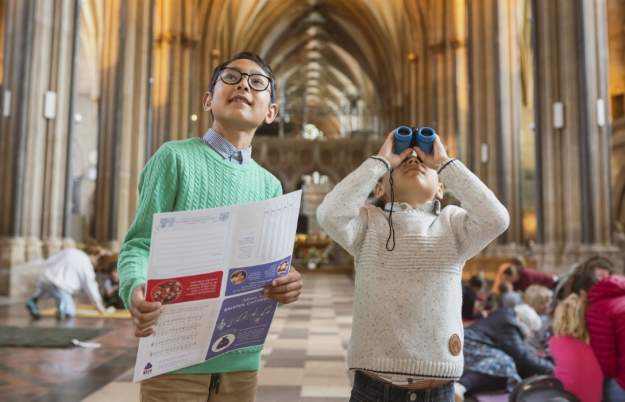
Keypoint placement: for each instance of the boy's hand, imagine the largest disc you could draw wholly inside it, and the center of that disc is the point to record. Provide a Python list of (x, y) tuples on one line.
[(386, 151), (437, 158), (285, 289), (144, 314)]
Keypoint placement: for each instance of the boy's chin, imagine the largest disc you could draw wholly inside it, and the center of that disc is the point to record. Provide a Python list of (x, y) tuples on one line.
[(238, 121)]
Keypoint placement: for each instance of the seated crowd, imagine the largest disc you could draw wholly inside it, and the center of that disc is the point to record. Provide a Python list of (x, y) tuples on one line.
[(531, 323)]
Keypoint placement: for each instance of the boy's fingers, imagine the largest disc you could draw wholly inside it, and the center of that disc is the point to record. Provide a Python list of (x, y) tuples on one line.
[(286, 298), (406, 153), (144, 333), (289, 297), (143, 317), (275, 290), (292, 276), (146, 325), (148, 307), (280, 281), (422, 155)]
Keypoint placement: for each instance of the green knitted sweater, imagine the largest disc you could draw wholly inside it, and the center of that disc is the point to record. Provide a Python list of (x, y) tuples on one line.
[(188, 175)]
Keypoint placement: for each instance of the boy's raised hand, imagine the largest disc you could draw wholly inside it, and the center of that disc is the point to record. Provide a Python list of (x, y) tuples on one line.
[(437, 158), (144, 314), (386, 151), (286, 289)]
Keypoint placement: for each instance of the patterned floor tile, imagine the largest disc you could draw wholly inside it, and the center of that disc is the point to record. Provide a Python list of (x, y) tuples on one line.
[(303, 361)]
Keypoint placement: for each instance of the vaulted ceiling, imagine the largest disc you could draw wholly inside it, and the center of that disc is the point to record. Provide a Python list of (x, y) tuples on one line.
[(332, 58)]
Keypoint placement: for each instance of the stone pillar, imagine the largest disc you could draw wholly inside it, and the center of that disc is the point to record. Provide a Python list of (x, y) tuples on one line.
[(573, 134), (483, 99), (18, 50), (507, 152), (494, 108), (39, 41), (123, 116), (176, 40), (446, 50)]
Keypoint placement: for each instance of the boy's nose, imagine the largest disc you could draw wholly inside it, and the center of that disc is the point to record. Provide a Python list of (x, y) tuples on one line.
[(413, 159)]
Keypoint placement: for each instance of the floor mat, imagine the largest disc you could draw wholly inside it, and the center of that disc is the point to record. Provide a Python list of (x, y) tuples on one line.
[(46, 337)]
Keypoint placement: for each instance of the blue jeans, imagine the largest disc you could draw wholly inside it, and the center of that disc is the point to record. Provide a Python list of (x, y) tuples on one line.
[(367, 389), (612, 392), (64, 300)]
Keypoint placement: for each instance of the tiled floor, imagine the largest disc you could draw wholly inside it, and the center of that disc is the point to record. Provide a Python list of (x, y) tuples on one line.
[(303, 359)]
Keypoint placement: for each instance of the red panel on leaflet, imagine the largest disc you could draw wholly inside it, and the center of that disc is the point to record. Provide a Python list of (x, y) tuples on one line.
[(185, 288)]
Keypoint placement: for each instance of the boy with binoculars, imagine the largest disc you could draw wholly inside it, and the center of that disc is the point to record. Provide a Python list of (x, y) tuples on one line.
[(407, 334)]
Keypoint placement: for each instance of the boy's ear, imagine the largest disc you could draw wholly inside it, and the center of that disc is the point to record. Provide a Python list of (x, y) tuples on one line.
[(272, 113), (378, 191), (207, 101), (440, 192)]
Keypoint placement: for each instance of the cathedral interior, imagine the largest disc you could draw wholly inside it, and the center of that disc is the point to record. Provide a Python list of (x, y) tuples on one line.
[(529, 94)]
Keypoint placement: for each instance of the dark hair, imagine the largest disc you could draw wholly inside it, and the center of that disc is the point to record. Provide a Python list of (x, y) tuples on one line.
[(476, 282), (578, 281), (504, 287), (247, 56), (583, 276), (510, 270), (595, 262)]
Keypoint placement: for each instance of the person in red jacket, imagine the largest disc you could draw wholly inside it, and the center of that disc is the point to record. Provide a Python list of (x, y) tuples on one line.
[(605, 319)]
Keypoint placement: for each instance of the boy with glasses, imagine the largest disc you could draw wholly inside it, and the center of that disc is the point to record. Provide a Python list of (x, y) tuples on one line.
[(197, 173)]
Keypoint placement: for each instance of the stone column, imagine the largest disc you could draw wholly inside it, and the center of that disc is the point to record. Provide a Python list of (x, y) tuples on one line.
[(123, 116), (446, 49), (573, 134), (18, 51), (494, 108), (39, 41), (176, 39), (508, 152)]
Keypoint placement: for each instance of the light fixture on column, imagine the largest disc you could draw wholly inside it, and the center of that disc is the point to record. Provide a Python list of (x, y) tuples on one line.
[(484, 153), (6, 103), (600, 112), (49, 105), (558, 115)]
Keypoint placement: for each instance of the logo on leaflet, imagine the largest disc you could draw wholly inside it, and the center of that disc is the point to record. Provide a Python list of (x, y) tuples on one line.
[(147, 369)]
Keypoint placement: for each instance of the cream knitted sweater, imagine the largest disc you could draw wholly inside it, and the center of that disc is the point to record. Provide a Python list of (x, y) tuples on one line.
[(407, 302)]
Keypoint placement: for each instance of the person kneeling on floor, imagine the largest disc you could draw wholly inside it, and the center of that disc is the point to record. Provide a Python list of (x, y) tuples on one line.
[(66, 273)]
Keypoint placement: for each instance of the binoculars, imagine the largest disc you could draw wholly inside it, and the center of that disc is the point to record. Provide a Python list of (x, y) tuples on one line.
[(406, 137)]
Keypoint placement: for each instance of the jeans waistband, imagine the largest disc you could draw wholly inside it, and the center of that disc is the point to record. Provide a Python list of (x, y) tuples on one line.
[(388, 392)]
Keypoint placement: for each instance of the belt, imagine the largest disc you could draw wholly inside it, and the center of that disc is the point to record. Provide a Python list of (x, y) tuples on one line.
[(384, 390)]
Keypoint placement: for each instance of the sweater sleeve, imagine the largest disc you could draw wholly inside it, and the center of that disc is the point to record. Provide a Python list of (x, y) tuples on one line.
[(482, 217), (158, 186), (602, 338), (342, 214)]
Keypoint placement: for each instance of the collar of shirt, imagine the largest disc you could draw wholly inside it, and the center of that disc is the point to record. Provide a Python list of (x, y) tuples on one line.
[(225, 148), (404, 206)]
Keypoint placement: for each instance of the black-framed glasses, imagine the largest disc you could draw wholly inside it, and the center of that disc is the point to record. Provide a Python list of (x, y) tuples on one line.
[(232, 76)]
